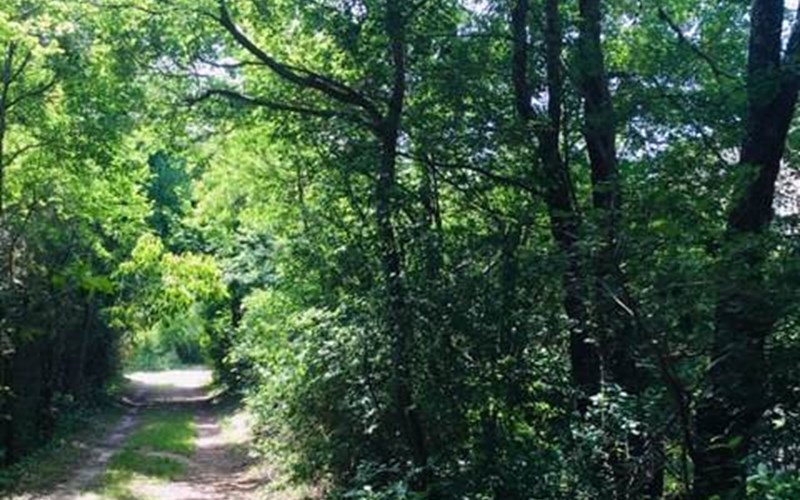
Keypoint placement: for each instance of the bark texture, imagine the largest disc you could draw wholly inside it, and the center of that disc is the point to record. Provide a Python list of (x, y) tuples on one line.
[(735, 398)]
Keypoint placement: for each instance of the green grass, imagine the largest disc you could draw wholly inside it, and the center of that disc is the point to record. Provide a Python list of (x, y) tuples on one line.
[(129, 462), (168, 432)]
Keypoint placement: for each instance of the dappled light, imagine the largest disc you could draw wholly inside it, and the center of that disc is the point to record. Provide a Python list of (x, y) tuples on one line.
[(399, 249)]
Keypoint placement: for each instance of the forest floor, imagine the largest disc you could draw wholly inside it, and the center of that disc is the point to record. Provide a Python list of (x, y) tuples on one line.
[(177, 440)]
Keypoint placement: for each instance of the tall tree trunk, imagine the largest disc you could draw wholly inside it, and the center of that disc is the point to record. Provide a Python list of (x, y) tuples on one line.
[(558, 190), (737, 380), (358, 108), (616, 324), (640, 473), (400, 320)]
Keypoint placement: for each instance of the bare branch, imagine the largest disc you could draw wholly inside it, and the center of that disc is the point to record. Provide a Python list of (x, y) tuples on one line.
[(235, 65), (18, 72), (337, 91), (474, 199), (35, 92), (232, 95), (22, 150), (712, 64), (499, 178)]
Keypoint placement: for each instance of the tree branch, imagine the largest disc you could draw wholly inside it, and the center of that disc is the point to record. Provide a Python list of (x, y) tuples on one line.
[(23, 149), (235, 65), (712, 64), (337, 91), (25, 60), (32, 93), (501, 179), (274, 105), (519, 60)]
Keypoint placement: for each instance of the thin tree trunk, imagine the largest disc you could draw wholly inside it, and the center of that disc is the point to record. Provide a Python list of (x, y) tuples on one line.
[(5, 85), (558, 190), (431, 223), (84, 339), (400, 320), (617, 325)]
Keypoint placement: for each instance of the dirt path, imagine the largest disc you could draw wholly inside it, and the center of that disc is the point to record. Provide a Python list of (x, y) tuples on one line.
[(89, 472), (219, 469)]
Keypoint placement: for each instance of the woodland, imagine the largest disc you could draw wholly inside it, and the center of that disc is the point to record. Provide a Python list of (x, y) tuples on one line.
[(445, 249)]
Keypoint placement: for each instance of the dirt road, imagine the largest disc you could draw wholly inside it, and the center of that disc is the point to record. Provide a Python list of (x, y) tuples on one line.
[(216, 468)]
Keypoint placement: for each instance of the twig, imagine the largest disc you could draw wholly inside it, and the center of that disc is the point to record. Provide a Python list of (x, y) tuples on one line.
[(718, 72)]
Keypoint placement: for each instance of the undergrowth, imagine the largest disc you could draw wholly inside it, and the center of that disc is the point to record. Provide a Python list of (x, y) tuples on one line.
[(50, 464)]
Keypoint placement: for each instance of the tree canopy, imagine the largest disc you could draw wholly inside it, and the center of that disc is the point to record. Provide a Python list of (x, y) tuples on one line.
[(444, 248)]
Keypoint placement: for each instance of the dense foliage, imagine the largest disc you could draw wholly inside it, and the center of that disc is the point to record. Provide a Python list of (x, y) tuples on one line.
[(446, 248)]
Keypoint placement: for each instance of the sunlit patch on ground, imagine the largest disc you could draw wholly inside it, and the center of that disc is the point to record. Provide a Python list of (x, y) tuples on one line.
[(194, 378), (191, 385), (178, 442)]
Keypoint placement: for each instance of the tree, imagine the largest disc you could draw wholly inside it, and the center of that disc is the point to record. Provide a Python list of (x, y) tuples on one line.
[(565, 222), (746, 313)]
